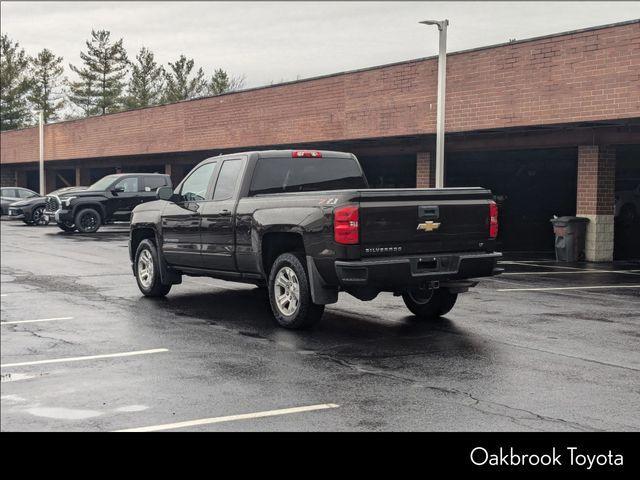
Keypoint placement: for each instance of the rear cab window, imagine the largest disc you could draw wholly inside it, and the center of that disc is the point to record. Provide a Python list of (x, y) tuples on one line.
[(153, 183), (287, 174)]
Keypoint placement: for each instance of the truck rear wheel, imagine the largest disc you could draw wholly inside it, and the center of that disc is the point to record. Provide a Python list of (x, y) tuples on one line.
[(429, 304), (290, 294), (148, 270)]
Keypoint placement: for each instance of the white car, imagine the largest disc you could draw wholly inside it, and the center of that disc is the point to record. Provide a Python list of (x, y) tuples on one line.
[(627, 206)]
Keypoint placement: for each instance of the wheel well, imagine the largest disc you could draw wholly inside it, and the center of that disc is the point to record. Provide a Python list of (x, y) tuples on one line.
[(277, 243), (139, 234)]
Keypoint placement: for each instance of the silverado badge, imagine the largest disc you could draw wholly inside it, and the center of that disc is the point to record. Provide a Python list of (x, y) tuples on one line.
[(428, 226)]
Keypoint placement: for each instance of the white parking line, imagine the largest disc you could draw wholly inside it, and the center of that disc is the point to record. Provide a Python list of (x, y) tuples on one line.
[(36, 320), (564, 288), (89, 357), (527, 264), (231, 418), (573, 272)]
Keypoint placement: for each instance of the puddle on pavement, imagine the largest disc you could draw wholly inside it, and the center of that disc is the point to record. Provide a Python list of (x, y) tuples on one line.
[(61, 413), (132, 408)]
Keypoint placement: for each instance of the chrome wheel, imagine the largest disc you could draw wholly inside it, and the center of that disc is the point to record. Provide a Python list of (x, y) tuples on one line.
[(287, 291), (145, 269), (38, 217)]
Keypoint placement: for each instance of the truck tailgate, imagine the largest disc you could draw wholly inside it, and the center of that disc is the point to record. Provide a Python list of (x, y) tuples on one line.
[(414, 221)]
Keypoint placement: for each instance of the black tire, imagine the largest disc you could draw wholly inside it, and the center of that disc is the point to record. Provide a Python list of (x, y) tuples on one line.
[(429, 304), (152, 286), (38, 217), (88, 220), (306, 313), (67, 227)]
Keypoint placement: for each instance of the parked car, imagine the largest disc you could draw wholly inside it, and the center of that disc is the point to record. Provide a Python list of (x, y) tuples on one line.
[(110, 199), (306, 225), (627, 204), (31, 211), (9, 195)]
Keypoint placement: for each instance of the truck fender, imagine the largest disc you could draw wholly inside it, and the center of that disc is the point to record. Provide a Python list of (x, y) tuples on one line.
[(321, 294)]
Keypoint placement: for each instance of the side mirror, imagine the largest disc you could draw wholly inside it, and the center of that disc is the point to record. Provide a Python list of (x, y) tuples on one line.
[(118, 190), (165, 193)]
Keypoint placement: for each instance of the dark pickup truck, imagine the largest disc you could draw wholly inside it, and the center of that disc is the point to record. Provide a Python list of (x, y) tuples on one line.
[(111, 198), (306, 225)]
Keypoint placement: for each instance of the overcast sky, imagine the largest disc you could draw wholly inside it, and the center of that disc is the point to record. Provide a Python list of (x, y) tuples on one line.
[(273, 41)]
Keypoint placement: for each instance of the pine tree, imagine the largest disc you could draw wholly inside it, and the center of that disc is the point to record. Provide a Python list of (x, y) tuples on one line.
[(146, 83), (46, 94), (178, 82), (14, 85), (101, 83), (221, 83)]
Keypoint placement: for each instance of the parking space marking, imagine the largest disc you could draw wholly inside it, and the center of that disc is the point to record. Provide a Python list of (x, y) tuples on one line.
[(527, 264), (231, 418), (88, 357), (587, 287), (15, 322), (573, 272)]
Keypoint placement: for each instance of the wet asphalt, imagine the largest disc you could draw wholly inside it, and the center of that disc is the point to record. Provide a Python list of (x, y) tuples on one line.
[(502, 359)]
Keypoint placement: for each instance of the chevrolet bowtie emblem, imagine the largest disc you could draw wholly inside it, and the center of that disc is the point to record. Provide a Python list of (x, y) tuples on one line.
[(428, 226)]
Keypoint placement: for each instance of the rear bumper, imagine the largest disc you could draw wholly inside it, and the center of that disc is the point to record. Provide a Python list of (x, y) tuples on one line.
[(394, 273)]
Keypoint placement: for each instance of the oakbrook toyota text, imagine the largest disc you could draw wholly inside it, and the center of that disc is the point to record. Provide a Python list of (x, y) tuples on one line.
[(573, 457)]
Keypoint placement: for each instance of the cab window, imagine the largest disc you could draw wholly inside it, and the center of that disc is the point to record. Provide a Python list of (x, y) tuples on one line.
[(151, 184), (127, 185), (196, 185), (227, 179)]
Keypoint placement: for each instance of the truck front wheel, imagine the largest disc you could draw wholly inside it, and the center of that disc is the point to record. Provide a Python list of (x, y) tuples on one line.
[(290, 294), (88, 220), (429, 304), (148, 270)]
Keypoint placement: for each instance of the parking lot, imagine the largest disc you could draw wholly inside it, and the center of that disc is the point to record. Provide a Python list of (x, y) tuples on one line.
[(545, 346)]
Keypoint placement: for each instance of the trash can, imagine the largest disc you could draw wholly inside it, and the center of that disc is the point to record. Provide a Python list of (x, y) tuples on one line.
[(570, 233)]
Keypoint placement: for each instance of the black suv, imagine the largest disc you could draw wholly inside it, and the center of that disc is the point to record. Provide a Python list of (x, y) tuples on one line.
[(110, 199)]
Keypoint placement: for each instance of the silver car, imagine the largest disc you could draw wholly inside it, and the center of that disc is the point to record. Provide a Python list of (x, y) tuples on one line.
[(9, 195)]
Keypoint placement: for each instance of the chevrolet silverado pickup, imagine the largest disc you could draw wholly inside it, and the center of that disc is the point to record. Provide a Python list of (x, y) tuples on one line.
[(305, 225)]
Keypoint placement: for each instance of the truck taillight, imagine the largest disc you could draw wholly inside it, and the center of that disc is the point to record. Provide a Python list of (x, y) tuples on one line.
[(306, 154), (493, 219), (345, 225)]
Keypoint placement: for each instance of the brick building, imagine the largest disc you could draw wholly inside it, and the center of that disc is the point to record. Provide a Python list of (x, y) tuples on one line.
[(549, 124)]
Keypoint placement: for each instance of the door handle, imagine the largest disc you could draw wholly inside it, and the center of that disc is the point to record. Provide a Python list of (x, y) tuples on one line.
[(225, 213)]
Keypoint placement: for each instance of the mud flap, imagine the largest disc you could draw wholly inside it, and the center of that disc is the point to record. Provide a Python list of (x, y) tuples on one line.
[(321, 294)]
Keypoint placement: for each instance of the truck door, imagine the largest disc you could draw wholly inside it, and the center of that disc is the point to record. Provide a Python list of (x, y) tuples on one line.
[(181, 243), (125, 195), (218, 218)]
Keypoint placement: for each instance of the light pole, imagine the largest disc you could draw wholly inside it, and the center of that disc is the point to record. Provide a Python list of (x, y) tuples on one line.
[(442, 80), (41, 123)]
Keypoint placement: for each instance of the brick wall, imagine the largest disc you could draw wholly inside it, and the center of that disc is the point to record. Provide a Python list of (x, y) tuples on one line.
[(425, 170), (596, 180), (581, 76)]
